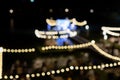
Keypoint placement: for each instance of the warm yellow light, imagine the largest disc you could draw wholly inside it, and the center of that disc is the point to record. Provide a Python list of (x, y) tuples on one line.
[(5, 77), (27, 75), (16, 76), (43, 74), (11, 77), (48, 73), (32, 75), (37, 74)]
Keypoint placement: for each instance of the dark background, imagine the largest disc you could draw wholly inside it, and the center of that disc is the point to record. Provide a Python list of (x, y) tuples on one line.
[(28, 16)]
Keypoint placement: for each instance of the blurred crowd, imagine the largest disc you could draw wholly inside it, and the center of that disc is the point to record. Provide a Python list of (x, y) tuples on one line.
[(44, 64)]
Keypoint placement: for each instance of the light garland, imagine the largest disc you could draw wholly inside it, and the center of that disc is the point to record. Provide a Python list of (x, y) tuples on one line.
[(1, 61), (67, 47), (19, 50), (84, 45), (53, 34), (109, 30), (52, 22), (63, 69), (67, 69), (105, 54), (112, 33)]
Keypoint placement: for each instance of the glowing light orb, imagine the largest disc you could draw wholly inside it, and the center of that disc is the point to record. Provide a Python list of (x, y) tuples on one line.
[(11, 11), (32, 1)]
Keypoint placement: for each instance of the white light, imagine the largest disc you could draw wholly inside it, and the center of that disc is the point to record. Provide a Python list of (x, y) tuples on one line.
[(106, 65), (37, 74), (105, 37), (1, 49), (104, 33), (67, 69), (16, 76), (66, 10), (115, 64), (43, 73), (4, 50), (6, 77), (76, 67), (85, 67), (111, 65), (58, 71), (27, 75), (48, 73), (118, 63), (93, 41), (11, 11), (94, 67), (91, 10), (81, 68), (11, 77), (90, 67), (109, 30), (32, 75), (62, 70), (32, 0), (53, 72), (71, 67), (98, 66), (87, 27)]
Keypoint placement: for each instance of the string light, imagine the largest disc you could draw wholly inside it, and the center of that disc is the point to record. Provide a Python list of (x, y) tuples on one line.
[(52, 22), (11, 77), (18, 50), (109, 30), (105, 54), (76, 67), (16, 76), (32, 75), (53, 72), (62, 70), (48, 73), (53, 34), (67, 47), (107, 65), (71, 67), (84, 45), (38, 74)]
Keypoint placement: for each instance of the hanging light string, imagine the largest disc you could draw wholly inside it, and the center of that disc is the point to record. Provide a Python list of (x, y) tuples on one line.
[(109, 30), (105, 53), (67, 47), (52, 22), (54, 34), (84, 45), (78, 46), (67, 69), (17, 50)]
